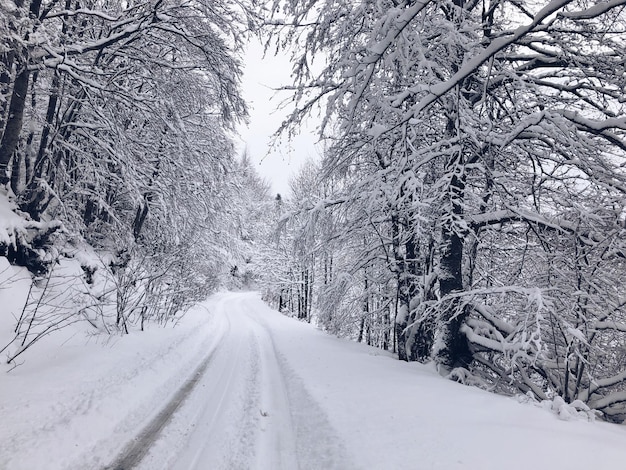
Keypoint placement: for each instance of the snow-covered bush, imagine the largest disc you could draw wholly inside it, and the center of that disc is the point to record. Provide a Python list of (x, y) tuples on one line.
[(23, 241)]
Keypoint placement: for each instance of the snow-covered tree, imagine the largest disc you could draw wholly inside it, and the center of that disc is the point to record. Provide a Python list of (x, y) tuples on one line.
[(115, 124), (485, 140)]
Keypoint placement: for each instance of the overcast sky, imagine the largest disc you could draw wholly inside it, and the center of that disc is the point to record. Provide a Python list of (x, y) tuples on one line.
[(261, 75)]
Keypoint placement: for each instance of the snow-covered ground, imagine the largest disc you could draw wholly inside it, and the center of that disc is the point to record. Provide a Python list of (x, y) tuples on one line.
[(235, 385)]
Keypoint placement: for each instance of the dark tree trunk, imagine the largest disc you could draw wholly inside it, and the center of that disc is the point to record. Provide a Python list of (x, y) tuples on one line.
[(90, 213), (16, 172), (366, 308), (45, 133), (308, 288), (386, 328), (11, 135), (361, 329), (414, 338), (281, 301), (419, 338), (15, 117), (140, 218), (6, 61), (400, 327), (401, 319), (453, 350)]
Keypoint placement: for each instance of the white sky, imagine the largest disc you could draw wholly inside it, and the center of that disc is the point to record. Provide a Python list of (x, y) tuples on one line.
[(261, 76)]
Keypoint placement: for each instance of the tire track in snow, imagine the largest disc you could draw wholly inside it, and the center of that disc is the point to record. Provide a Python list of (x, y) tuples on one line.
[(275, 441), (301, 436), (239, 417), (225, 385), (136, 450), (75, 404), (317, 443), (250, 410), (305, 428)]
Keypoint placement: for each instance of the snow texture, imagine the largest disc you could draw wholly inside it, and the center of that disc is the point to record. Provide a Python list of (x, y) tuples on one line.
[(272, 393)]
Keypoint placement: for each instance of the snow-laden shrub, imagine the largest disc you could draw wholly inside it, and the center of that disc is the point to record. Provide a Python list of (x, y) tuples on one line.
[(568, 411), (22, 240), (576, 410)]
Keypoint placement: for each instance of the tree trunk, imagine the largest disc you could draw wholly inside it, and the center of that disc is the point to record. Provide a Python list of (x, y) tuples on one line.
[(11, 135), (16, 172), (366, 308), (140, 218), (361, 329), (45, 133), (453, 350), (281, 301), (91, 209), (15, 117), (6, 62), (400, 328), (386, 328)]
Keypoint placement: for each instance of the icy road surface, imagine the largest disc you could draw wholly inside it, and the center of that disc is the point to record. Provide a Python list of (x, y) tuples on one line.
[(238, 386)]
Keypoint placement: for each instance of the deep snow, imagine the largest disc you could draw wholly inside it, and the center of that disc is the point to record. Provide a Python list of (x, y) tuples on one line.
[(276, 393)]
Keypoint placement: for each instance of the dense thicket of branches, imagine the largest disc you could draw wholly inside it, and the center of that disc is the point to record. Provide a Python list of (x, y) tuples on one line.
[(115, 119), (474, 186)]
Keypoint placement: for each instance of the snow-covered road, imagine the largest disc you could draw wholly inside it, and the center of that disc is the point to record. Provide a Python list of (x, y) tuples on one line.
[(238, 386), (247, 410)]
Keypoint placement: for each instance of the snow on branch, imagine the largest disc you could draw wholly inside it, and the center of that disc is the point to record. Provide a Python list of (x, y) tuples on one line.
[(511, 214), (398, 24), (594, 125), (599, 128), (609, 325), (598, 9), (318, 207), (603, 383), (609, 400), (81, 11), (497, 45)]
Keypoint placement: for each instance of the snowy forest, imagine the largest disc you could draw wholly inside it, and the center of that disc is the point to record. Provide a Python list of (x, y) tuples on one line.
[(468, 211)]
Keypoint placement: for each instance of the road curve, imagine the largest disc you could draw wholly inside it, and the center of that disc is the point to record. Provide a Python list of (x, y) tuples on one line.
[(243, 408)]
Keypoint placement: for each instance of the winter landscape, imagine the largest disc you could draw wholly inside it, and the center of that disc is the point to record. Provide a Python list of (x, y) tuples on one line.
[(442, 287)]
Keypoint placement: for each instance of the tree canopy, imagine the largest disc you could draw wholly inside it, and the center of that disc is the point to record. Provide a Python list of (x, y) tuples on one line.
[(477, 153)]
